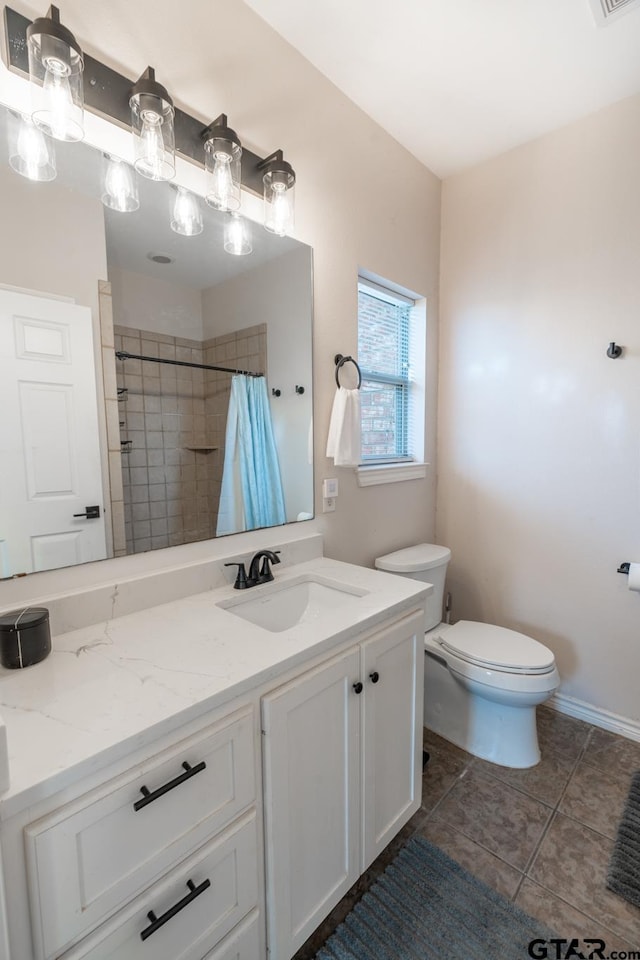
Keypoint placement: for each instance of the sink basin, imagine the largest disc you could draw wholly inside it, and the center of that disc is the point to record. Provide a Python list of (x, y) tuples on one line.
[(280, 606)]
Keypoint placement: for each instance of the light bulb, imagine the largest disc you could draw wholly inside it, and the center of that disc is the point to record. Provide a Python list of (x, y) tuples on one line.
[(280, 210), (58, 100), (151, 155), (237, 236), (187, 218), (223, 167), (120, 190), (222, 182), (33, 155)]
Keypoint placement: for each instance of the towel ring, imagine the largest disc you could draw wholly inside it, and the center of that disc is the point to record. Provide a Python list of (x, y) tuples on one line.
[(340, 361)]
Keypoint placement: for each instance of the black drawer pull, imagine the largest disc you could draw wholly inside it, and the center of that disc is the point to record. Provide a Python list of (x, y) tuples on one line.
[(157, 922), (148, 797)]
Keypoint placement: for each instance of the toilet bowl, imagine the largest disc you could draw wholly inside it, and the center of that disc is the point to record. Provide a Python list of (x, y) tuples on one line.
[(482, 682)]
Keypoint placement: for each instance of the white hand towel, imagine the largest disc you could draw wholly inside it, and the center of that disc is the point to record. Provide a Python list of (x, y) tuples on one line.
[(343, 442)]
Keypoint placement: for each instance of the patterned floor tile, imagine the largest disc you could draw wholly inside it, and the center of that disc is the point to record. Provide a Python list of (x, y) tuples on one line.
[(572, 862), (561, 735), (612, 753), (566, 921), (595, 798), (446, 763), (504, 820), (545, 781), (474, 858)]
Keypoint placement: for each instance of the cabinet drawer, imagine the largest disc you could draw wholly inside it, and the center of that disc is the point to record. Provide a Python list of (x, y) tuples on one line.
[(229, 864), (242, 944), (90, 857)]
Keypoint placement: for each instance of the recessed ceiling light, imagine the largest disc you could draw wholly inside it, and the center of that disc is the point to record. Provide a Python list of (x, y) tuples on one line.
[(159, 258)]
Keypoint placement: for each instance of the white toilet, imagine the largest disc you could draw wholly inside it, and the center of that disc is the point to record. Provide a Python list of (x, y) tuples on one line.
[(482, 683)]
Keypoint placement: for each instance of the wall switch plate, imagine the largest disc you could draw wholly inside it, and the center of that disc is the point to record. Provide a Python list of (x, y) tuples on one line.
[(328, 504), (330, 487)]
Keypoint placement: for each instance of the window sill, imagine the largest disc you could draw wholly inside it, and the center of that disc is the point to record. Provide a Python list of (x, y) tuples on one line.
[(390, 473)]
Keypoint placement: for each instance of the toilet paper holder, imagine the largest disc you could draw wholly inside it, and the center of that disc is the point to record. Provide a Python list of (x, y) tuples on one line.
[(624, 567)]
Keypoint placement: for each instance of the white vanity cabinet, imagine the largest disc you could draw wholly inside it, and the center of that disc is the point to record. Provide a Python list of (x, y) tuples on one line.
[(342, 750), (163, 860)]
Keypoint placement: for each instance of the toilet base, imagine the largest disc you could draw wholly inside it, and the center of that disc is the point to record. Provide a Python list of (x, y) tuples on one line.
[(502, 733)]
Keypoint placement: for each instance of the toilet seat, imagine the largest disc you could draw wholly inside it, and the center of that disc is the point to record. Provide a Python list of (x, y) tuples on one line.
[(497, 648)]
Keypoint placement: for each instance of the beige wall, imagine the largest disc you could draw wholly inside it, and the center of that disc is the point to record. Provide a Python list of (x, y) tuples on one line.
[(539, 450), (362, 200), (148, 303)]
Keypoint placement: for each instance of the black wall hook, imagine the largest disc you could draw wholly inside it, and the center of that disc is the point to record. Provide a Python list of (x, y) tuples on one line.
[(614, 351)]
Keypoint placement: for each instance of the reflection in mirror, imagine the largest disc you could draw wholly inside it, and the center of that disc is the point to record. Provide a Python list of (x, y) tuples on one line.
[(103, 456)]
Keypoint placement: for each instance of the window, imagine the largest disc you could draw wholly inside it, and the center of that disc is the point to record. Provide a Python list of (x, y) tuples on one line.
[(391, 357)]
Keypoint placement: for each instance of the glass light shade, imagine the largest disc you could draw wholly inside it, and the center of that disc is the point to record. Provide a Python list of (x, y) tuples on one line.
[(237, 236), (119, 187), (153, 134), (223, 167), (279, 203), (55, 70), (187, 216), (31, 152)]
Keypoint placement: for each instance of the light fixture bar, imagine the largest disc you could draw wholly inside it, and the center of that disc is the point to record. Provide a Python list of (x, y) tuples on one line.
[(107, 94)]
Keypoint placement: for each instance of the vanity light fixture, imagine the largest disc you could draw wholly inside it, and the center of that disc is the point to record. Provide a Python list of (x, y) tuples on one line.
[(56, 64), (159, 130), (278, 179), (237, 236), (152, 116), (222, 153), (119, 187), (31, 152), (187, 216)]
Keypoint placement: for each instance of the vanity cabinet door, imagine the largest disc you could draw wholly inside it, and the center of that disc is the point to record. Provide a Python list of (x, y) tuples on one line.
[(311, 730), (392, 675)]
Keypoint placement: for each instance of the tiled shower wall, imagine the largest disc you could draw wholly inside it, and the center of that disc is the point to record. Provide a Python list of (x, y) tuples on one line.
[(172, 424)]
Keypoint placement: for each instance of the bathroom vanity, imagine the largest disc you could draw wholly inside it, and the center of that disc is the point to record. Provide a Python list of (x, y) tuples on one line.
[(207, 777)]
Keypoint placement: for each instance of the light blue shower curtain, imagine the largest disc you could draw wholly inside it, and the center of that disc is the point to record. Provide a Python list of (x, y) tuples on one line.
[(251, 494)]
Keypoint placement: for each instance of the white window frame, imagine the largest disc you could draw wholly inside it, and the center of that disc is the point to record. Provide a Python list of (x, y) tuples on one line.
[(412, 467)]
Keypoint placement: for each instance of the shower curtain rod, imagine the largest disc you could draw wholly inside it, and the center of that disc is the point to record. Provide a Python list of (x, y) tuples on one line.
[(123, 355)]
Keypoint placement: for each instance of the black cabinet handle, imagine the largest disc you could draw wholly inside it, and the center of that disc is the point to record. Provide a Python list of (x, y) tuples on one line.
[(157, 922), (149, 797), (374, 677), (357, 687)]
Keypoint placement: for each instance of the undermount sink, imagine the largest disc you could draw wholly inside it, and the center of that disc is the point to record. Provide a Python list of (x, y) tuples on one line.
[(280, 606)]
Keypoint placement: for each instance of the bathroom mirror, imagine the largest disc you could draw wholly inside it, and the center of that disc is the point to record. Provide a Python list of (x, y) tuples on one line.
[(104, 456)]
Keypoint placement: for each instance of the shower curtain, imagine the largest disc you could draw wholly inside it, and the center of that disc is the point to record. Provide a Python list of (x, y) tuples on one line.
[(251, 494)]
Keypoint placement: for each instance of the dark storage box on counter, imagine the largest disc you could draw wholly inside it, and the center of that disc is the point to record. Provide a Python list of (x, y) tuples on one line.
[(25, 637)]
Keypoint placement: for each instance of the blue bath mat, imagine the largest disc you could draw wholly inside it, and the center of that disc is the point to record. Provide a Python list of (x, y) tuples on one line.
[(624, 868), (427, 907)]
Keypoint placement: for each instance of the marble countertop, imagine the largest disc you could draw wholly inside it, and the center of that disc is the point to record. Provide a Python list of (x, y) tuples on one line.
[(142, 675)]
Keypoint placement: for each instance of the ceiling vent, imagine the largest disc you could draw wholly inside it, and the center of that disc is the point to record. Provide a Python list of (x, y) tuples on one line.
[(605, 11)]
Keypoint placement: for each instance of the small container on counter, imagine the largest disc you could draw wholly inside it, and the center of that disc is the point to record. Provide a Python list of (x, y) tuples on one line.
[(25, 637)]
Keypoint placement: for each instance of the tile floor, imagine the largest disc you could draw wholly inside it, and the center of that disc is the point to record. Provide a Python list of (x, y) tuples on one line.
[(542, 837)]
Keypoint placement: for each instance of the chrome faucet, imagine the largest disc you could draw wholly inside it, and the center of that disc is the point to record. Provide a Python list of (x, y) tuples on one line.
[(257, 574)]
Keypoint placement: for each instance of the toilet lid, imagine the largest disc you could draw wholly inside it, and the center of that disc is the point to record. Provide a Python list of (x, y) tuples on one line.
[(489, 646)]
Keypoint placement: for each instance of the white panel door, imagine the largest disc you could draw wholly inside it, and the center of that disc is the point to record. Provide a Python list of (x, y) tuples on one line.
[(392, 676), (311, 732), (50, 465)]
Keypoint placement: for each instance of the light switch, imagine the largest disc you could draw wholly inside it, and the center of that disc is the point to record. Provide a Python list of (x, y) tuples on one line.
[(330, 488)]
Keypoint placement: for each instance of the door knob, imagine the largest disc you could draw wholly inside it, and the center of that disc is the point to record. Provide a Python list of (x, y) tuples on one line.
[(91, 513)]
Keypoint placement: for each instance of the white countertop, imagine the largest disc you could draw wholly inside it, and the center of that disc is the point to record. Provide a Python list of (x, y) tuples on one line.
[(140, 675)]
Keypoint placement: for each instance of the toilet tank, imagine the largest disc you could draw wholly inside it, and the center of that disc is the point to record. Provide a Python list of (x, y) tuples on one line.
[(426, 562)]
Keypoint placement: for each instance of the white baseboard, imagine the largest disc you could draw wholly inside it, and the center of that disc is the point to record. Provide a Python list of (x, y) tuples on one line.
[(595, 715)]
